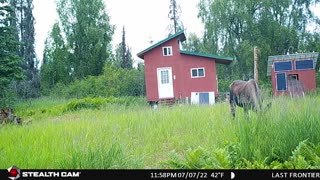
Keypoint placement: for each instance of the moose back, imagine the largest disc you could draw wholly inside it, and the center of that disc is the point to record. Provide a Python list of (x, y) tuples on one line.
[(245, 94)]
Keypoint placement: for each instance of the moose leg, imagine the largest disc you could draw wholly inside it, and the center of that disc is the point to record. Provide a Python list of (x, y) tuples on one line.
[(233, 109), (246, 112)]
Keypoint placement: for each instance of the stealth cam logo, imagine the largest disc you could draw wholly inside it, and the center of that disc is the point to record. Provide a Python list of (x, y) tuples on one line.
[(14, 172)]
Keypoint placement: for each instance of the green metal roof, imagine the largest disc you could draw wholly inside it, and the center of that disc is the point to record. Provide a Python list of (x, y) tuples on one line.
[(179, 34), (219, 59), (299, 56), (182, 37)]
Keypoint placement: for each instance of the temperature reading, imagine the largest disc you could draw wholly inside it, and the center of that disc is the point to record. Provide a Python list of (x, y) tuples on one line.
[(217, 174)]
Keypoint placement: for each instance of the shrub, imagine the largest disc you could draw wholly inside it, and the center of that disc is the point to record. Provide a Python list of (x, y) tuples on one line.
[(98, 102), (113, 82), (305, 156)]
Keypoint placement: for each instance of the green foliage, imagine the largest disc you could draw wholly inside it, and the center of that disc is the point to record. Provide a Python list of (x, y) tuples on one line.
[(112, 158), (224, 85), (10, 62), (88, 34), (113, 82), (182, 136), (78, 49), (174, 16), (86, 103), (8, 98), (56, 67), (318, 79), (123, 56), (56, 106), (193, 43), (305, 156), (24, 23), (311, 44), (40, 108), (234, 28), (200, 158), (98, 102)]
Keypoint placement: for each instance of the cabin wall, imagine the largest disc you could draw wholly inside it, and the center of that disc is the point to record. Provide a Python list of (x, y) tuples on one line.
[(186, 84), (181, 64), (153, 60)]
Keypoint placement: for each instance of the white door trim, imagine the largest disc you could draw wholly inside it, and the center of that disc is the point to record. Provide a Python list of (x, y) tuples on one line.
[(165, 82)]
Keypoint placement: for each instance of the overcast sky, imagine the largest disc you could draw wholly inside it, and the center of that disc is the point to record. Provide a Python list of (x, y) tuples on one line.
[(144, 20)]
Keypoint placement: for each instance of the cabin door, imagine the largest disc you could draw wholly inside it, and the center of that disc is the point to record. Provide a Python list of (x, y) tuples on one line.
[(165, 83)]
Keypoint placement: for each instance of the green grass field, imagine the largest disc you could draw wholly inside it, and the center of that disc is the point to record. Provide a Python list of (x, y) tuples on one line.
[(134, 136)]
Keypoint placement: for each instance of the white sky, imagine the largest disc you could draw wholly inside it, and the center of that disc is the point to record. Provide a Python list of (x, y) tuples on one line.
[(144, 20)]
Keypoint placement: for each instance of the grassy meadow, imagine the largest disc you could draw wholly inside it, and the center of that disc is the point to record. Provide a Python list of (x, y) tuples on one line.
[(105, 134)]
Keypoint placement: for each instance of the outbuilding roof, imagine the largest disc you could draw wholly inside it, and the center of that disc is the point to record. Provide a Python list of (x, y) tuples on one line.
[(299, 56), (181, 36)]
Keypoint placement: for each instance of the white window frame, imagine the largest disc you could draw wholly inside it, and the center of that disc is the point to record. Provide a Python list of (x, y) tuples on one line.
[(295, 65), (197, 76), (274, 64), (168, 50)]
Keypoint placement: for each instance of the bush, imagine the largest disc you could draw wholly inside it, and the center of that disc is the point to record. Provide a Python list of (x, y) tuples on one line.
[(305, 156), (98, 102), (113, 82), (85, 103)]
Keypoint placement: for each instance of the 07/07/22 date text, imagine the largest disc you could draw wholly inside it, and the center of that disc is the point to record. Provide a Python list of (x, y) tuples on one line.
[(187, 175)]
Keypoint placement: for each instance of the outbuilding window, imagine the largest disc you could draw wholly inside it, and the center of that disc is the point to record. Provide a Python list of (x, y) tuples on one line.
[(293, 76), (281, 82), (304, 64), (197, 72), (281, 66), (167, 51)]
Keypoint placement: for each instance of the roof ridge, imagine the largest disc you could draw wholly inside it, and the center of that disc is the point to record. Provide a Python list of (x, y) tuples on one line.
[(179, 33)]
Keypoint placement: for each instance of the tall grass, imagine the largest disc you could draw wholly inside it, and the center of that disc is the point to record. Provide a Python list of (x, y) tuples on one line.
[(280, 130), (129, 137)]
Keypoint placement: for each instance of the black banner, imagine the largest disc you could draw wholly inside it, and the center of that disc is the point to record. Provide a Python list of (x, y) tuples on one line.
[(157, 174)]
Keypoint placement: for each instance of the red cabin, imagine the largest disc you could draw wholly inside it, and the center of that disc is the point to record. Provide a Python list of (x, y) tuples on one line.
[(293, 74), (175, 74)]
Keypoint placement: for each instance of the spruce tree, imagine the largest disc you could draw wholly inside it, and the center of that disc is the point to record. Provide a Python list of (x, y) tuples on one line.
[(10, 62)]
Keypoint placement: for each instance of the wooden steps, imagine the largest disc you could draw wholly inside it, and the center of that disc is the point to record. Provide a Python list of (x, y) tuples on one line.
[(167, 102)]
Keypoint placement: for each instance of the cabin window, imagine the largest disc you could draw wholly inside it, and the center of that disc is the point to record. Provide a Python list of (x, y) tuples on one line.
[(167, 51), (197, 72), (304, 64)]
